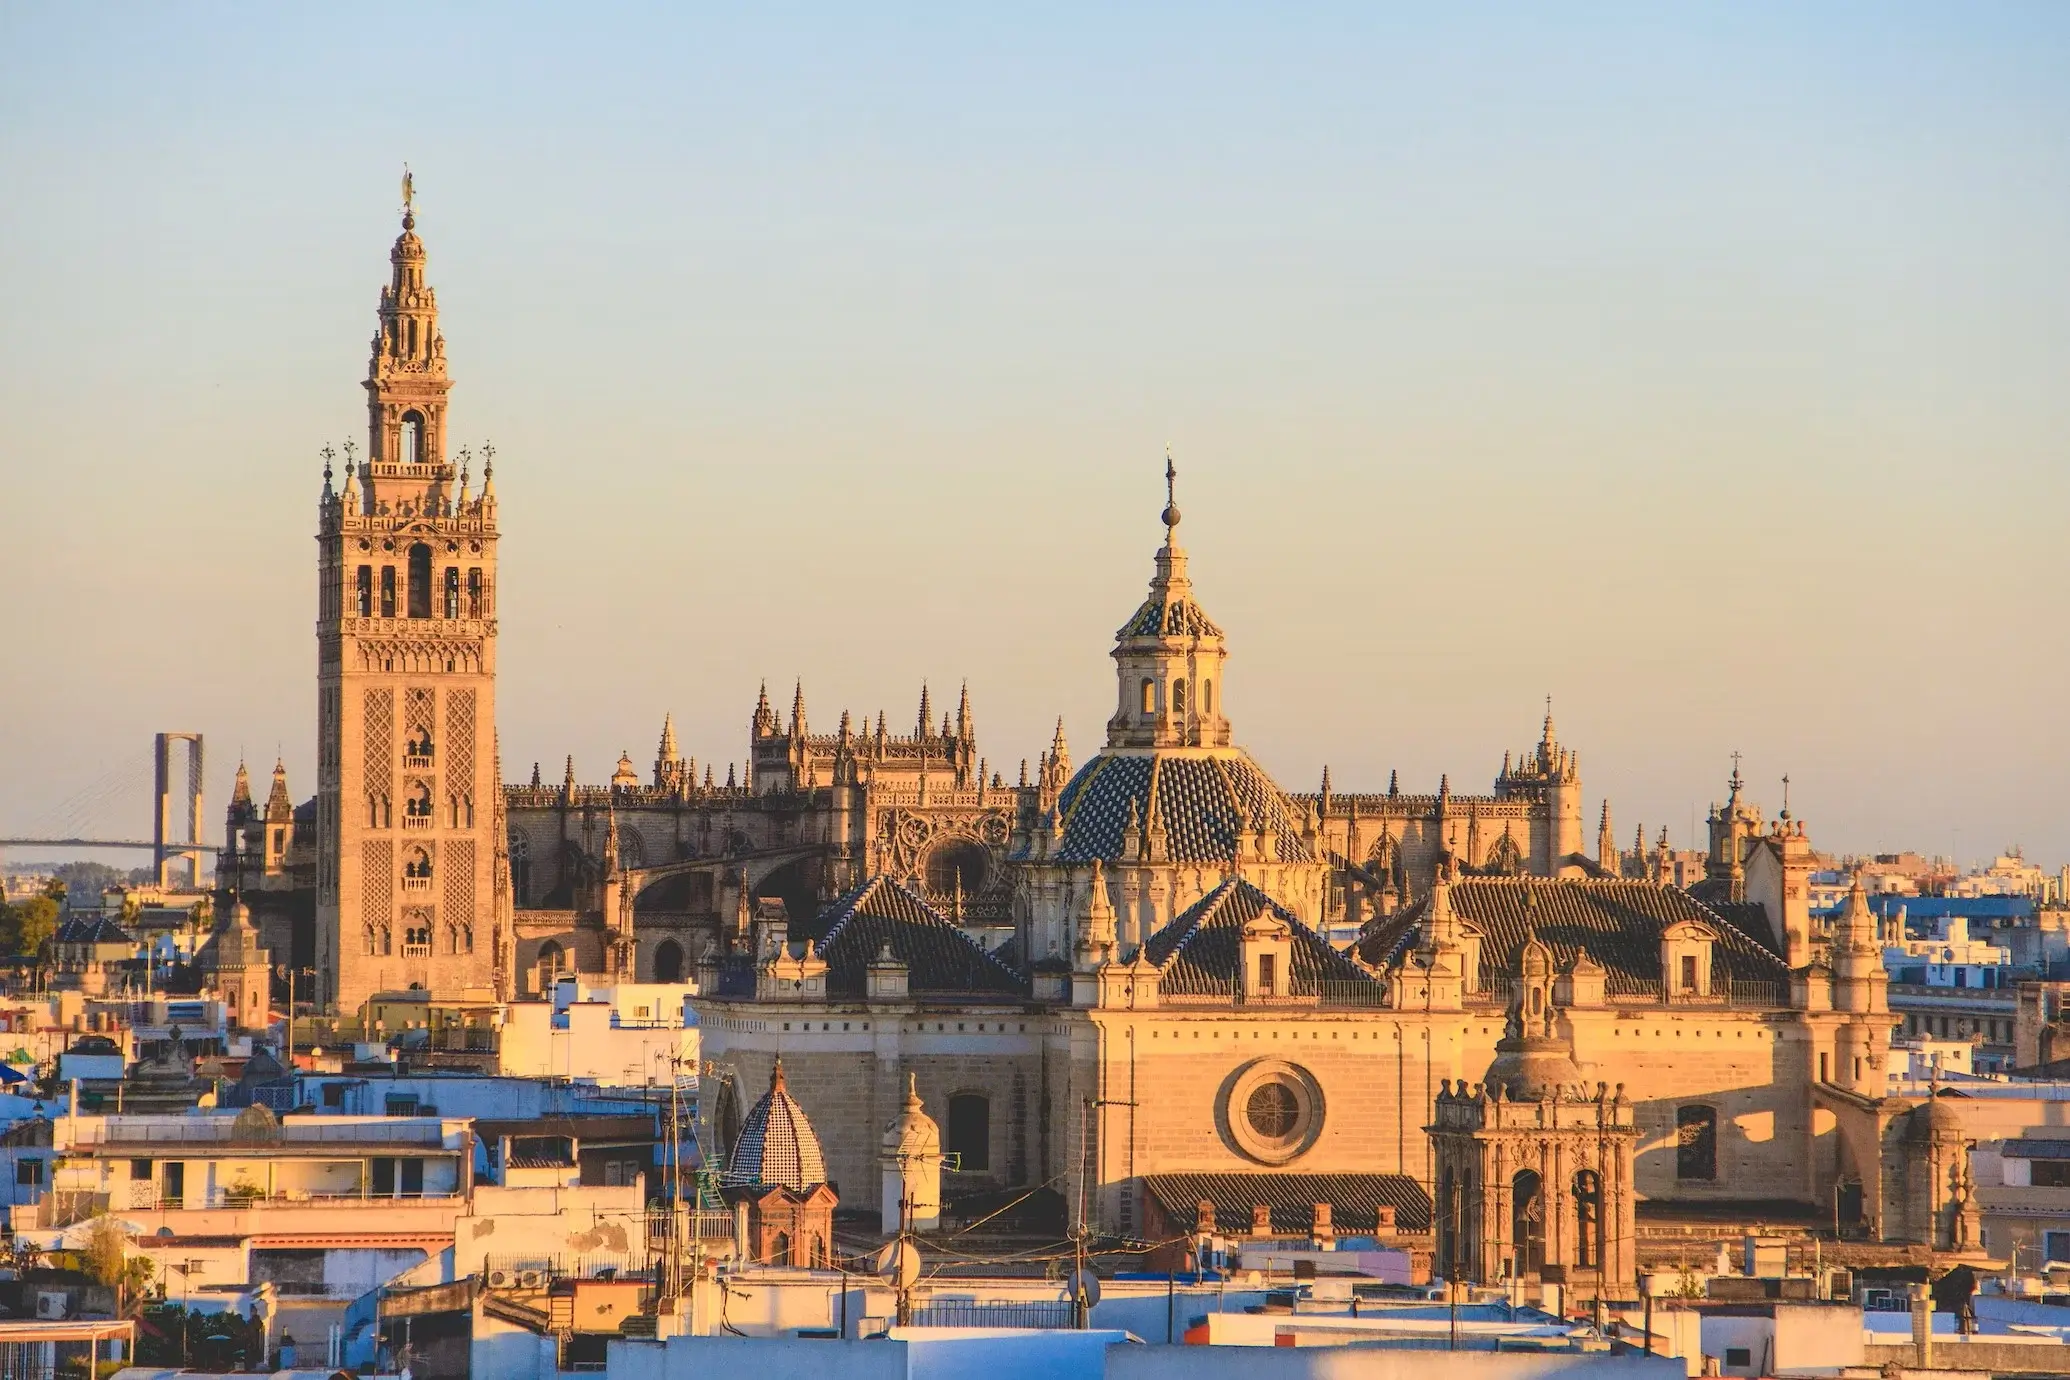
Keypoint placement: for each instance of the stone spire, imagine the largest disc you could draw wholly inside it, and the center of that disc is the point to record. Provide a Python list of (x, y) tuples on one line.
[(1169, 656), (668, 759), (1606, 843), (241, 792), (966, 731), (798, 709), (406, 382), (279, 809), (763, 724), (922, 729)]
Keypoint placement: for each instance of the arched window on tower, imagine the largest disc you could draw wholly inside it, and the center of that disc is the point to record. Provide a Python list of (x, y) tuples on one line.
[(412, 424), (474, 593), (452, 591), (1149, 697), (1179, 698), (366, 591), (420, 581), (388, 591)]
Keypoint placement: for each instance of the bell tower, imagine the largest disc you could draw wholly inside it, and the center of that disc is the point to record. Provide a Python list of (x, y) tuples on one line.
[(413, 881), (1169, 657)]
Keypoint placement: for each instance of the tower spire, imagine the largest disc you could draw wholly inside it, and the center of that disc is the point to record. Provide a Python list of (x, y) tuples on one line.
[(406, 382), (798, 709)]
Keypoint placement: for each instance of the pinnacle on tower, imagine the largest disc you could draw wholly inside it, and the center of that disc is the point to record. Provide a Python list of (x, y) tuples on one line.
[(926, 713), (798, 709), (241, 790), (279, 809), (535, 775), (568, 779), (964, 729), (1394, 782), (668, 752), (764, 722)]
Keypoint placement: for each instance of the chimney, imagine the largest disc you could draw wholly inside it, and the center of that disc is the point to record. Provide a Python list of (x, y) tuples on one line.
[(1324, 1233), (1204, 1218), (1383, 1219), (1261, 1220)]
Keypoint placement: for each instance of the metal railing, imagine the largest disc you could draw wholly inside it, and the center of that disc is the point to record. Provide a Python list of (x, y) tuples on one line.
[(1052, 1315), (123, 1133)]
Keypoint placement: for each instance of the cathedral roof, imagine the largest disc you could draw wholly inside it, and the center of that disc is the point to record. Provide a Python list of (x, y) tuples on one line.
[(1617, 922), (884, 913), (1291, 1199), (98, 929), (777, 1144), (1200, 953), (1201, 801)]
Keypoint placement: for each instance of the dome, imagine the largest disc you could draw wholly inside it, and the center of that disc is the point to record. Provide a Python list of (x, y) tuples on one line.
[(914, 1135), (1532, 1068), (1934, 1119), (777, 1146), (1201, 800)]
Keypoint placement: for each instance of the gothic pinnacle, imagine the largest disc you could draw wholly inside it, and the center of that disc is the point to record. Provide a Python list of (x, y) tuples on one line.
[(963, 726), (926, 713), (798, 709)]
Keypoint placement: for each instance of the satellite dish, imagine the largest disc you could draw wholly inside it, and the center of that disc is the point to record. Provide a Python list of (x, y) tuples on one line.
[(899, 1262), (1084, 1282)]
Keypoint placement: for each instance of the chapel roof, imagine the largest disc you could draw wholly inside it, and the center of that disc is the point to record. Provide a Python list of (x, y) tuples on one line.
[(1618, 922), (1201, 800), (884, 913), (1291, 1198), (1200, 953)]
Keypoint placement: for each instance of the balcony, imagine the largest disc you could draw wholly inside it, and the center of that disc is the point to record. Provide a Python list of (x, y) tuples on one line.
[(416, 950), (416, 821), (416, 884), (416, 763)]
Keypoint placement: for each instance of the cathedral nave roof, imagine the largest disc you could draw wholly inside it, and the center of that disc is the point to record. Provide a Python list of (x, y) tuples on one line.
[(1200, 953), (1291, 1199), (1617, 922)]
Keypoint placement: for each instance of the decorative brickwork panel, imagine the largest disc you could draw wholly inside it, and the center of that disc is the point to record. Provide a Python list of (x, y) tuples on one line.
[(379, 740), (460, 741), (417, 710), (376, 892), (458, 862)]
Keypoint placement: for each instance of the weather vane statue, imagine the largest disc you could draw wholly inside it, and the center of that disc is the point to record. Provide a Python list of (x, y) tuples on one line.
[(409, 192)]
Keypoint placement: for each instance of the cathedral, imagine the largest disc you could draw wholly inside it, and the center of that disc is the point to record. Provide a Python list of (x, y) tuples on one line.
[(1156, 984)]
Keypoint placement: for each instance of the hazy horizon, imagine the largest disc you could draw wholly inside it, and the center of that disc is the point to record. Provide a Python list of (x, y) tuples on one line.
[(1702, 368)]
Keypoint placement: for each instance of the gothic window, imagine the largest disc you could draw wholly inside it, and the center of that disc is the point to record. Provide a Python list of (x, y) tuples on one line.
[(1527, 1221), (420, 581), (956, 867), (970, 1132), (452, 591), (417, 864), (668, 961), (521, 868), (413, 423), (466, 943), (1179, 698), (474, 593), (388, 591), (366, 591), (417, 937), (418, 745), (1272, 1111), (373, 938), (417, 804), (1696, 1143)]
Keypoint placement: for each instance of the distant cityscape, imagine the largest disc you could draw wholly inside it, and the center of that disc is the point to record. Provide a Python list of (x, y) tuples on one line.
[(870, 1055)]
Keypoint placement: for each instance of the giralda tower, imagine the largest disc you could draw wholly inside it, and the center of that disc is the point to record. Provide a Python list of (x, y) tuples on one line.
[(413, 886)]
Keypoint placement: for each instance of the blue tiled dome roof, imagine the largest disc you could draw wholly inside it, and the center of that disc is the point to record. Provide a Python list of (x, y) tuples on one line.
[(1202, 801), (777, 1145)]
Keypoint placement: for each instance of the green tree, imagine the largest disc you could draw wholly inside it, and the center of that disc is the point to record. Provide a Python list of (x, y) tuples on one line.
[(25, 925), (106, 1257)]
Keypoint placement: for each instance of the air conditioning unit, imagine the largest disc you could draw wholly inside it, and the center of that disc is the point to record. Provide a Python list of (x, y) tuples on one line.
[(49, 1306), (499, 1279), (531, 1279)]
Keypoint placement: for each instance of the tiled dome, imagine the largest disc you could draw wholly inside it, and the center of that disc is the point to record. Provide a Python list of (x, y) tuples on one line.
[(1202, 800), (777, 1145)]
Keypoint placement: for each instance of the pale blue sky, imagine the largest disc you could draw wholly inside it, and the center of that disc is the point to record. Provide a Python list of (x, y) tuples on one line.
[(1701, 366)]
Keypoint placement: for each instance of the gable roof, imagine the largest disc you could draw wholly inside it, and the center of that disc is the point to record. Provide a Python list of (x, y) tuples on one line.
[(1200, 953), (1618, 921), (97, 929), (939, 956)]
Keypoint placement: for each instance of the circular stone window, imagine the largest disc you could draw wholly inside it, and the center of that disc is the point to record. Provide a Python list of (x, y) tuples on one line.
[(1272, 1111)]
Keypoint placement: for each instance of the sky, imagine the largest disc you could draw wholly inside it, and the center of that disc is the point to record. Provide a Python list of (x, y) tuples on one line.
[(1699, 366)]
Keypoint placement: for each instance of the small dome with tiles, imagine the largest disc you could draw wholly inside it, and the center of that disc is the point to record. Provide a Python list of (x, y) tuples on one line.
[(777, 1145)]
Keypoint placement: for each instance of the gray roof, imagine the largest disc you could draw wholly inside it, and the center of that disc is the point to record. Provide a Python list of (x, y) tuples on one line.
[(1202, 802)]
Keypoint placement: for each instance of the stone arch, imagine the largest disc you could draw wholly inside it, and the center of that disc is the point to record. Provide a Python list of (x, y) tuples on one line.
[(796, 884), (668, 961)]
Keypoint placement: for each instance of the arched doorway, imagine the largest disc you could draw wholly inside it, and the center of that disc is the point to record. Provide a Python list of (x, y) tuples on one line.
[(668, 961), (1527, 1222)]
